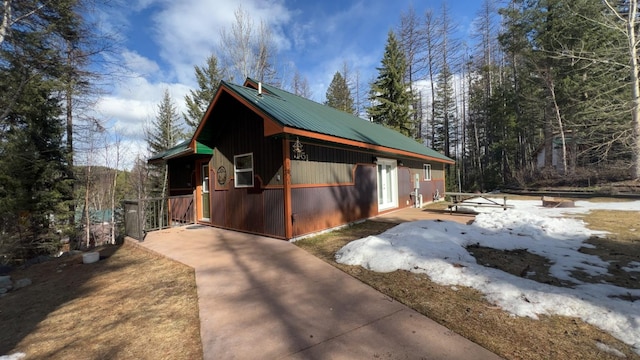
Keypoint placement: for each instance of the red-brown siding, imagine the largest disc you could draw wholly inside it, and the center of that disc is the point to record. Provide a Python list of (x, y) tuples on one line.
[(319, 208)]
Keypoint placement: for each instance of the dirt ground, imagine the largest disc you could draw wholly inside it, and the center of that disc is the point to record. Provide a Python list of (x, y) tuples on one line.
[(129, 305), (620, 247)]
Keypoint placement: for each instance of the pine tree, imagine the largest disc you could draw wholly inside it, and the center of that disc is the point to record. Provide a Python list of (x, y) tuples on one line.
[(389, 95), (339, 95), (34, 190), (165, 133), (197, 101), (35, 77)]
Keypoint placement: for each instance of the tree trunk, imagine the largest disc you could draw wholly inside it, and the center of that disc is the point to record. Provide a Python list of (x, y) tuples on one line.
[(635, 82), (6, 20), (558, 117), (630, 24), (548, 137), (87, 214)]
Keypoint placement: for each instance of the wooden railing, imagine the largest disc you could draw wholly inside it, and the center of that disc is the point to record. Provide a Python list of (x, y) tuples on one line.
[(144, 215)]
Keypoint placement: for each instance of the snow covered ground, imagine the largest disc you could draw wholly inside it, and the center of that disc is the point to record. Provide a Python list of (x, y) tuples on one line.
[(433, 247)]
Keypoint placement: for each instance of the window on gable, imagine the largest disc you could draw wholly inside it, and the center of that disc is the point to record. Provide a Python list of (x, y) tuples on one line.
[(427, 172), (243, 169)]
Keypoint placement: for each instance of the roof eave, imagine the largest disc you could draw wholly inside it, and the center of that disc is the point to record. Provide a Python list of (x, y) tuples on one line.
[(361, 144)]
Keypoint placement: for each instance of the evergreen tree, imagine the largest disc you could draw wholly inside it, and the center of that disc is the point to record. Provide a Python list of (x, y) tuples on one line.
[(389, 95), (165, 133), (35, 77), (34, 189), (565, 75), (197, 101), (339, 95)]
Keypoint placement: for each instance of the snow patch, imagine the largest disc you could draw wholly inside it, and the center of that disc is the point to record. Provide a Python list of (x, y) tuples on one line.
[(14, 356), (438, 249)]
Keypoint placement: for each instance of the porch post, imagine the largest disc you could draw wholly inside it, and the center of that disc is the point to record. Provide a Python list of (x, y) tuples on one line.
[(286, 169)]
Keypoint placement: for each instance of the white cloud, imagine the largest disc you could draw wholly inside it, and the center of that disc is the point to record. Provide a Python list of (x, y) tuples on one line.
[(189, 31), (139, 64), (315, 38)]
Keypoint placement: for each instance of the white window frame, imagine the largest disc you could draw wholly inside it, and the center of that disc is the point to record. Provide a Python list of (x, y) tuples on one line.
[(426, 172), (205, 178), (236, 171), (393, 184)]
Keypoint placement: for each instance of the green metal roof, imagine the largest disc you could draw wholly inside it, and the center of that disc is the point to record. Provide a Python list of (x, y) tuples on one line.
[(182, 148), (297, 112)]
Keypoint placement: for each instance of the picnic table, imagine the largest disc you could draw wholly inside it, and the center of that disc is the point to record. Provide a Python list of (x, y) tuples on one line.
[(475, 200)]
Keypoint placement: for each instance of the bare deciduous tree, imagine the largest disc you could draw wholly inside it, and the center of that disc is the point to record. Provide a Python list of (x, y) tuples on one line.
[(432, 43), (247, 52), (412, 42), (300, 85), (627, 14)]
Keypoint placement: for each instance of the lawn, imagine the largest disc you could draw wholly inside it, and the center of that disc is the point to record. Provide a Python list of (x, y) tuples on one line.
[(129, 305), (467, 312)]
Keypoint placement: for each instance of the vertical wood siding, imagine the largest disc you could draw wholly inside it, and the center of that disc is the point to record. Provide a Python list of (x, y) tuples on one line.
[(326, 165), (427, 188), (245, 135), (257, 209), (274, 212), (319, 208)]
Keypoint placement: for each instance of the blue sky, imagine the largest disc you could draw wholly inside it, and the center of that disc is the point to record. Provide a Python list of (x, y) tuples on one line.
[(162, 41)]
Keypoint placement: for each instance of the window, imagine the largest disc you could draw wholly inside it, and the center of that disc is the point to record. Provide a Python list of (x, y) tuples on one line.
[(205, 178), (427, 172), (243, 169)]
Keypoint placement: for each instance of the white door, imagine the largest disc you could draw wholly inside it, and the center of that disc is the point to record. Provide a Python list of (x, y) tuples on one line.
[(387, 184)]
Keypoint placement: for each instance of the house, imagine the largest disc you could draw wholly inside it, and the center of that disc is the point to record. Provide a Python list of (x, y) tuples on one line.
[(265, 161), (572, 146)]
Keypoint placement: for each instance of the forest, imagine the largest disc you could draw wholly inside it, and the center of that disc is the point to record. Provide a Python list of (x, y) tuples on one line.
[(544, 92), (547, 93)]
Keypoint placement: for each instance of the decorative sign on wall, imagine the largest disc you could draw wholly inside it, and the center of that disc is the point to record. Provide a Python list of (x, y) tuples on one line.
[(298, 151), (222, 175)]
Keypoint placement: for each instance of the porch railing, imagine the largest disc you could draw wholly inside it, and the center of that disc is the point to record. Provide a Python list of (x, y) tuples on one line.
[(144, 215)]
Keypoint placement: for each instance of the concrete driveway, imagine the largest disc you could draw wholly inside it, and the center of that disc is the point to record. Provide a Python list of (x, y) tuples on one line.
[(263, 298)]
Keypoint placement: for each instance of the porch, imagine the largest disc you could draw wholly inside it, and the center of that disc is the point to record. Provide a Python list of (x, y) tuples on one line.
[(144, 215)]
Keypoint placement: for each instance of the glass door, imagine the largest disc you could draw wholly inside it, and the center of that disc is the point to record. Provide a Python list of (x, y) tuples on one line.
[(387, 184), (206, 205)]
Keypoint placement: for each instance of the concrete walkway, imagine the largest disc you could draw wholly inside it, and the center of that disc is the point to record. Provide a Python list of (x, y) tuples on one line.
[(268, 299)]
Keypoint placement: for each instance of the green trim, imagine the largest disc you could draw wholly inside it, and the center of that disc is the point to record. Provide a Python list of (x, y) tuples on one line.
[(203, 149), (182, 149)]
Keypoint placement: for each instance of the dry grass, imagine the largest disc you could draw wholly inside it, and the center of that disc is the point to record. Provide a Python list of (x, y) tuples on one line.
[(129, 305), (465, 310)]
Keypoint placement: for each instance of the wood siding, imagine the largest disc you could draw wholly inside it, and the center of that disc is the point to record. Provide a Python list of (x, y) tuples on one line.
[(427, 189), (318, 208), (331, 185), (259, 212), (240, 131), (259, 209), (182, 177), (326, 165)]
